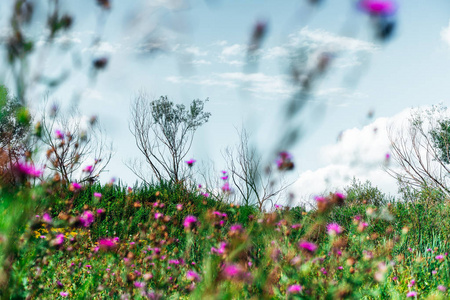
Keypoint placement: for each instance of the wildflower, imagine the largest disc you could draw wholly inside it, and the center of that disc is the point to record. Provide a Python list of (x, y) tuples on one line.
[(59, 240), (308, 246), (378, 7), (190, 162), (362, 226), (221, 249), (158, 215), (75, 186), (411, 294), (224, 177), (179, 206), (442, 288), (87, 218), (192, 276), (88, 169), (98, 195), (412, 283), (27, 170), (46, 218), (284, 161), (334, 229), (226, 187), (100, 211), (189, 221), (59, 134), (108, 243), (231, 271), (64, 294), (206, 195), (294, 289)]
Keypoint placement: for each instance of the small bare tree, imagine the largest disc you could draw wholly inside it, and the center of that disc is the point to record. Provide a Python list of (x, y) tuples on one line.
[(421, 150), (71, 146), (255, 183), (164, 132)]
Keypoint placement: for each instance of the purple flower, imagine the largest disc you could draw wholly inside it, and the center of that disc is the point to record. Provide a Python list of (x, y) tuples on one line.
[(88, 169), (192, 276), (108, 243), (226, 187), (27, 170), (59, 134), (74, 186), (46, 218), (231, 271), (294, 289), (189, 221), (206, 195), (284, 161), (308, 246), (442, 288), (378, 7), (59, 239), (139, 284), (440, 257), (411, 294), (334, 229), (64, 294), (179, 206), (87, 218), (158, 215), (190, 162), (100, 211), (98, 195), (224, 177)]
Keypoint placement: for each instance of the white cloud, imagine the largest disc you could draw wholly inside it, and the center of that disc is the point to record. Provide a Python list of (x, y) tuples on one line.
[(92, 94), (103, 48), (200, 62), (445, 34), (195, 51), (360, 153), (234, 50)]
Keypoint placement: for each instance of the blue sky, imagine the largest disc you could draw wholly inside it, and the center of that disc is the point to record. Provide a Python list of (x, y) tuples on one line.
[(204, 54)]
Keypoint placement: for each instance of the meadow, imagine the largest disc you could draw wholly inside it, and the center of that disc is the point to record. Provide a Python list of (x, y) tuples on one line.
[(166, 241)]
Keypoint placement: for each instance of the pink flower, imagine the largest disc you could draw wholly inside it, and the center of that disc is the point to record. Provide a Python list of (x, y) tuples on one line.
[(411, 294), (59, 134), (100, 211), (378, 7), (224, 177), (98, 195), (284, 161), (189, 221), (76, 186), (179, 206), (206, 195), (442, 288), (231, 271), (46, 218), (190, 162), (64, 294), (28, 170), (192, 276), (59, 239), (308, 246), (226, 187), (87, 218), (139, 284), (334, 229), (108, 243), (440, 257), (158, 215), (88, 169), (294, 289), (320, 199), (221, 250)]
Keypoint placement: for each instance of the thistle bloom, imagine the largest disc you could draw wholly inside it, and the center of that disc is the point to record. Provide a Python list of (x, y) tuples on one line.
[(59, 134), (378, 7), (226, 187), (98, 195), (88, 169), (190, 162), (440, 257), (308, 246), (75, 186), (294, 289), (179, 206), (192, 276), (411, 294), (224, 177), (87, 218), (46, 218), (334, 229), (189, 221), (158, 215), (231, 271), (284, 161), (108, 243), (442, 288), (100, 211), (27, 170), (64, 294)]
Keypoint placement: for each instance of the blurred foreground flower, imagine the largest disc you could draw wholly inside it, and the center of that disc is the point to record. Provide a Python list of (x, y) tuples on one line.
[(190, 162)]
